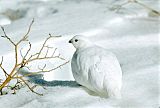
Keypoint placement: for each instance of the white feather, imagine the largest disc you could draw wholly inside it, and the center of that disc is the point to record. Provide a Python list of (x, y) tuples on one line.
[(96, 68)]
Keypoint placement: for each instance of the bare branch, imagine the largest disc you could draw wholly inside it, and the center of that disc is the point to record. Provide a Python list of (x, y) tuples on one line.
[(21, 52), (55, 36), (148, 8), (5, 72), (43, 71), (5, 36), (54, 52), (25, 37), (1, 61), (26, 59), (43, 58), (47, 50), (30, 88), (139, 3), (28, 50), (44, 45)]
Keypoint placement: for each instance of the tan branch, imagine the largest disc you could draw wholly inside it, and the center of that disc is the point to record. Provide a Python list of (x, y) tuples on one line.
[(139, 3), (43, 71), (5, 36), (5, 72), (26, 59), (25, 37), (30, 88)]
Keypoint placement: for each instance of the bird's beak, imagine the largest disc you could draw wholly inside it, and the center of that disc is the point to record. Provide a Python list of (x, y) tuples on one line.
[(69, 41)]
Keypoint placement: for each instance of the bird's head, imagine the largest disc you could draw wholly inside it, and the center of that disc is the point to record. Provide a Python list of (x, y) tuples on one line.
[(80, 41)]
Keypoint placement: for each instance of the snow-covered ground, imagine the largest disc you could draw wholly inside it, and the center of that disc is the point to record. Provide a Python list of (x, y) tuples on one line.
[(132, 34)]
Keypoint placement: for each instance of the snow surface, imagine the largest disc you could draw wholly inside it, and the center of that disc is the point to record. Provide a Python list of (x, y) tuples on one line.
[(132, 34)]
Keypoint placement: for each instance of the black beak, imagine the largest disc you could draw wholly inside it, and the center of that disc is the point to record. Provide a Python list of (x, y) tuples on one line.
[(70, 41)]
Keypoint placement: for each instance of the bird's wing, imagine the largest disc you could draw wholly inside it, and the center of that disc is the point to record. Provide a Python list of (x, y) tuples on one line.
[(79, 69), (74, 66), (104, 70)]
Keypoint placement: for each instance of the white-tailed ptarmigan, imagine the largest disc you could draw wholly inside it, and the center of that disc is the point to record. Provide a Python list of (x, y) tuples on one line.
[(96, 68)]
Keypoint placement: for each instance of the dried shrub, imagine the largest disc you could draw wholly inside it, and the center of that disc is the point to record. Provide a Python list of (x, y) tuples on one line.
[(25, 60)]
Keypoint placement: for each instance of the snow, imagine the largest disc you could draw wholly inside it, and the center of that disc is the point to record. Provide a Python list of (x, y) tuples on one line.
[(132, 34)]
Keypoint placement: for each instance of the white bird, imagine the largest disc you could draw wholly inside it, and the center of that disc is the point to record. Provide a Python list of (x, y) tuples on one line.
[(96, 68)]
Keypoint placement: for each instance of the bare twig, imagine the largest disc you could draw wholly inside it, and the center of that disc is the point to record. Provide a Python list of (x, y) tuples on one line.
[(30, 87), (42, 70), (25, 37), (5, 36), (139, 3), (6, 74)]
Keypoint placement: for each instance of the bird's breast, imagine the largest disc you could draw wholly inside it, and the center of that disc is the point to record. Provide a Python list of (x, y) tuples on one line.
[(79, 69)]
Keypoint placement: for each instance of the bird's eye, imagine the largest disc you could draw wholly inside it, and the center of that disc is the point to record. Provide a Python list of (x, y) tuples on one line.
[(76, 40)]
